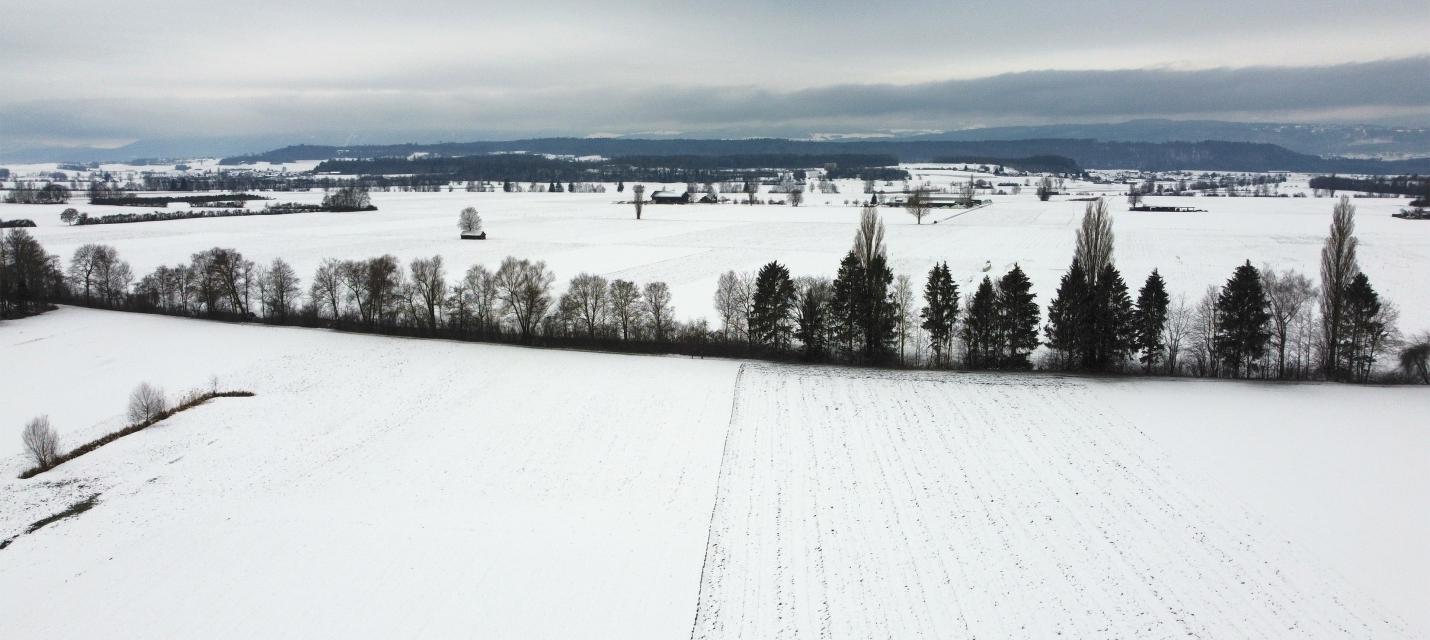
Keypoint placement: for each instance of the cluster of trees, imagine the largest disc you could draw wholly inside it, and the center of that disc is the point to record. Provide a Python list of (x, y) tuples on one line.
[(29, 277), (49, 194), (353, 198), (1260, 323), (861, 316), (1046, 189)]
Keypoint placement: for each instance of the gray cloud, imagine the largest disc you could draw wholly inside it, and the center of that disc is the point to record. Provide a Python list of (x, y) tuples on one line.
[(89, 70), (1357, 90)]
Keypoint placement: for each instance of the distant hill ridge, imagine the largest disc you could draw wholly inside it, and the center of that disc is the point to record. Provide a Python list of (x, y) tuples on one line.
[(1209, 155)]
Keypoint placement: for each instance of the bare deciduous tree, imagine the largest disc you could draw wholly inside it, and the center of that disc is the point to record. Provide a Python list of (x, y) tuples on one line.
[(625, 304), (658, 309), (1180, 319), (1415, 358), (730, 304), (1290, 293), (225, 280), (524, 288), (469, 221), (481, 294), (90, 271), (327, 289), (588, 297), (373, 287), (278, 289), (1204, 331), (146, 402), (429, 284), (918, 205), (904, 310), (42, 444)]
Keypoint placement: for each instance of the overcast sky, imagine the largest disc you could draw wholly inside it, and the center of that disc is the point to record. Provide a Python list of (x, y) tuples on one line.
[(86, 72)]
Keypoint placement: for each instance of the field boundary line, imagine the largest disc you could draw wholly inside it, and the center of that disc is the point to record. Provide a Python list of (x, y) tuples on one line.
[(715, 504)]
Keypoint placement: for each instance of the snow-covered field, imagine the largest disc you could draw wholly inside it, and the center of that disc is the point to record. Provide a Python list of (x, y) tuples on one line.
[(689, 246), (374, 487), (378, 487)]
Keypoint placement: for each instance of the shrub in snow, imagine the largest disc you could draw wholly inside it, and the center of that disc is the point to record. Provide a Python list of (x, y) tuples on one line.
[(42, 444), (146, 402)]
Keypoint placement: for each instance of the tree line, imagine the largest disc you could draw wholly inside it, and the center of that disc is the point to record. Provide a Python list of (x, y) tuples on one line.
[(1261, 323), (105, 197), (1411, 185), (523, 167), (51, 193)]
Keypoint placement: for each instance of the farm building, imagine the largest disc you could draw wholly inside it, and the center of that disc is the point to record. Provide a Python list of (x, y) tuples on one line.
[(669, 197)]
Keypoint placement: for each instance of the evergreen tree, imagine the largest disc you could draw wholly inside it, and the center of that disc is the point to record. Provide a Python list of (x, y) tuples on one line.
[(845, 305), (1150, 318), (1018, 317), (1109, 327), (880, 317), (980, 327), (812, 316), (620, 186), (940, 310), (1067, 316), (1362, 329), (772, 306), (1244, 328)]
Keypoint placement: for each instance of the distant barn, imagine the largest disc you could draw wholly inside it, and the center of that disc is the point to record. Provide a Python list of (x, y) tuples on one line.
[(669, 197)]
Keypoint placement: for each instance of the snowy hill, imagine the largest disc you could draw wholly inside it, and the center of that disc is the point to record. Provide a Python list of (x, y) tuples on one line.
[(382, 487)]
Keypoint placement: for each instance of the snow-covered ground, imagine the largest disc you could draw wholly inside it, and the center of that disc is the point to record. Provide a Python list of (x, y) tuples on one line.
[(380, 486), (689, 246), (859, 504), (374, 487)]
